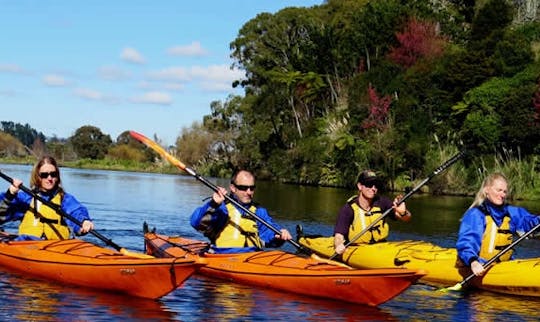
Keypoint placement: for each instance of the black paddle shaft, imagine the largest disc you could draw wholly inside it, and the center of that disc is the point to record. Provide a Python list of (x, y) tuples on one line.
[(440, 169), (61, 212), (502, 252)]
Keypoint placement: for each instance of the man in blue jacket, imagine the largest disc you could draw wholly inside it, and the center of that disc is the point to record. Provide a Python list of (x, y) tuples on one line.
[(232, 230)]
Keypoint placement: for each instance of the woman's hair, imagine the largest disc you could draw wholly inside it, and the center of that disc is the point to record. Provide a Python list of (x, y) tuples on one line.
[(35, 180), (488, 182)]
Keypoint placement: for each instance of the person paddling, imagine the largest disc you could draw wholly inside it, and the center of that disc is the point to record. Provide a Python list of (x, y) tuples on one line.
[(363, 209), (39, 221), (229, 228), (489, 225)]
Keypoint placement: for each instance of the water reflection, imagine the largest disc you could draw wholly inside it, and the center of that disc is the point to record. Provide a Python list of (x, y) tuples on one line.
[(223, 301), (28, 299), (120, 202)]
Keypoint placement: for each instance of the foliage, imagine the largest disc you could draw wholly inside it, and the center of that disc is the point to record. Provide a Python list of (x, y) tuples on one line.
[(418, 40), (24, 133), (10, 146), (89, 142)]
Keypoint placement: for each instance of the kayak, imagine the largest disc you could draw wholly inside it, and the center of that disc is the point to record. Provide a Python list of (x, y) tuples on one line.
[(76, 262), (289, 272), (517, 277)]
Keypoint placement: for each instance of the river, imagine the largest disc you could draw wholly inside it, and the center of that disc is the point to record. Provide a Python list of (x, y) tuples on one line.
[(120, 202)]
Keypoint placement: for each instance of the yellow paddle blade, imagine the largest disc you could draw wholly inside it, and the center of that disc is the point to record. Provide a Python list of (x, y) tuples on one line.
[(458, 287), (156, 147), (137, 255)]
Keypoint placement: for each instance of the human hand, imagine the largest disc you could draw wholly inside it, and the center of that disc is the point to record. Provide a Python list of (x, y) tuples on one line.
[(477, 268), (219, 196), (87, 226), (340, 249), (14, 187), (285, 235)]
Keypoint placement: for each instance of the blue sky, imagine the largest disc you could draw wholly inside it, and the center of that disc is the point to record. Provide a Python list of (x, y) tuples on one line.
[(149, 66)]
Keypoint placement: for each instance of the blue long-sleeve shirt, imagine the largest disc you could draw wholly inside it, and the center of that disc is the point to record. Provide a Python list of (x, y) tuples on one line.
[(13, 207), (219, 216), (473, 225)]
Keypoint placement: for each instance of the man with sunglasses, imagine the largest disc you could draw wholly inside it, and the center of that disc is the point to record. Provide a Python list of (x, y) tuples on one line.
[(229, 228), (39, 221), (363, 209)]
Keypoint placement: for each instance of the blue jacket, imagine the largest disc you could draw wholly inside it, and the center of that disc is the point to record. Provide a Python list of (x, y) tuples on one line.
[(473, 225), (220, 217), (13, 208)]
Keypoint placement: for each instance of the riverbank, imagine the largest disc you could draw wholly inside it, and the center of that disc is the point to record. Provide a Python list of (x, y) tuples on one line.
[(524, 187)]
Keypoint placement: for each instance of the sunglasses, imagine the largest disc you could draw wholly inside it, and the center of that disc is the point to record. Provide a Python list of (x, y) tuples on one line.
[(243, 187), (45, 175)]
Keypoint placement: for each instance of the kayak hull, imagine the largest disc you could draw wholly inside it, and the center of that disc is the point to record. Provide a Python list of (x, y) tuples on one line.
[(81, 263), (517, 277), (288, 272)]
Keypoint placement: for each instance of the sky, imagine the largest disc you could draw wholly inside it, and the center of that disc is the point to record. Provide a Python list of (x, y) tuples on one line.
[(149, 66)]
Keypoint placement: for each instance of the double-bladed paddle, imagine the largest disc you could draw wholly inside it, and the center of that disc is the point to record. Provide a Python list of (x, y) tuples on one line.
[(440, 169), (460, 285), (64, 214), (174, 161)]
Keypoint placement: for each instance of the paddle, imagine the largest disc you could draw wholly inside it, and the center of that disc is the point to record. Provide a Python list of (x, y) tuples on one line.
[(440, 169), (64, 214), (157, 148), (460, 285)]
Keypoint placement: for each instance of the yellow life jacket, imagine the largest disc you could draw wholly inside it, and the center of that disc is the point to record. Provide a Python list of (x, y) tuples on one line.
[(44, 221), (496, 238), (240, 231), (362, 219)]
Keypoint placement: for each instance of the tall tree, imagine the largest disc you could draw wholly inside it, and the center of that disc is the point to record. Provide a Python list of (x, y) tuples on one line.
[(89, 142)]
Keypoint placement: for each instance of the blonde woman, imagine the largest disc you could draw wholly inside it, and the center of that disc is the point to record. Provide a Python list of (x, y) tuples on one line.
[(38, 221), (489, 225)]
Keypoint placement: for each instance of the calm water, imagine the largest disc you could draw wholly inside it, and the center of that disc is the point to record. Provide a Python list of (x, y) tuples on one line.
[(120, 202)]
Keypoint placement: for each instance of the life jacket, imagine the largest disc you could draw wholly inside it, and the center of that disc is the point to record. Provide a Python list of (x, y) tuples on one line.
[(44, 222), (362, 219), (495, 238), (240, 231)]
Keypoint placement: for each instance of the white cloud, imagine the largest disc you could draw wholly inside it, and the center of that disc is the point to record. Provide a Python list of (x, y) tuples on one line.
[(174, 86), (214, 76), (160, 98), (170, 74), (93, 95), (11, 68), (54, 80), (113, 73), (89, 94), (132, 55), (193, 49), (218, 73)]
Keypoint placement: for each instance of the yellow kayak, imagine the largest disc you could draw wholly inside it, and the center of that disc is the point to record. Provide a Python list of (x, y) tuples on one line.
[(518, 277)]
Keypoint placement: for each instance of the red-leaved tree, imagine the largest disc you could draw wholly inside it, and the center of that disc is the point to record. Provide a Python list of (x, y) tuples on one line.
[(419, 39), (379, 108)]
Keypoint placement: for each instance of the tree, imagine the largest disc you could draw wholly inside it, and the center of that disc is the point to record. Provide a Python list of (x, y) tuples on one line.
[(420, 39), (89, 142), (25, 133)]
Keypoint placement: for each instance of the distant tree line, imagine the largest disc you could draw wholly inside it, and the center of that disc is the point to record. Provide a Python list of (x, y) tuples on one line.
[(88, 142)]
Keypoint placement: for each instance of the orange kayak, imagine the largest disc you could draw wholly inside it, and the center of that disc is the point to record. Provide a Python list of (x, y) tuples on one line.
[(81, 263), (285, 271)]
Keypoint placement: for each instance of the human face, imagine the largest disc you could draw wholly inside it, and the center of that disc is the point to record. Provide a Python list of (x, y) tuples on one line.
[(50, 182), (244, 179), (496, 192), (367, 191)]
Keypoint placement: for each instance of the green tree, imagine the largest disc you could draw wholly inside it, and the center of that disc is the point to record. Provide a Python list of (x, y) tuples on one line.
[(89, 142), (25, 133)]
